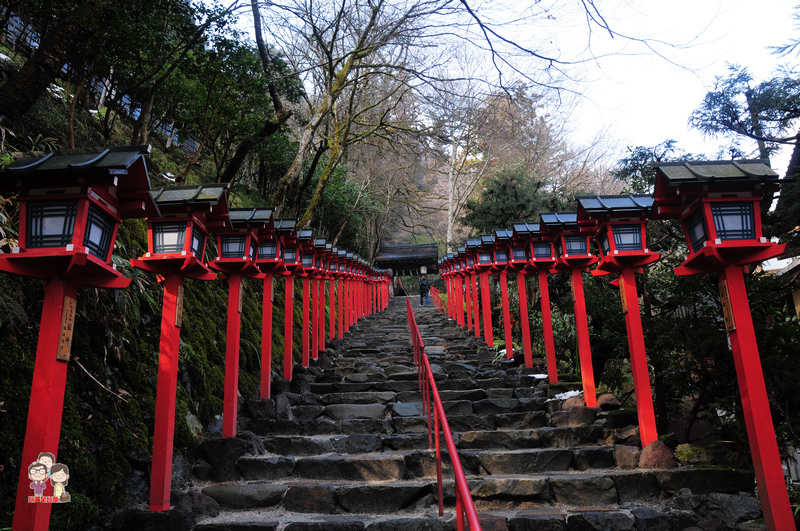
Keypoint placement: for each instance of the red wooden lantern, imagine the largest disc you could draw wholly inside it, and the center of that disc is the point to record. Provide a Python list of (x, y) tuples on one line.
[(622, 237), (465, 278), (291, 261), (473, 244), (342, 275), (305, 240), (176, 250), (519, 254), (541, 258), (719, 206), (319, 277), (238, 253), (268, 261), (484, 265), (70, 203), (332, 255), (573, 253)]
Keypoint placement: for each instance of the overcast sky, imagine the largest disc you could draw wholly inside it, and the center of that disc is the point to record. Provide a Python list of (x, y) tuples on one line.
[(644, 99)]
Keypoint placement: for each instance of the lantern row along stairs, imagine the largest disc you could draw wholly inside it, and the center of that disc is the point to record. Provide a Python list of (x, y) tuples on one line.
[(71, 204), (718, 204)]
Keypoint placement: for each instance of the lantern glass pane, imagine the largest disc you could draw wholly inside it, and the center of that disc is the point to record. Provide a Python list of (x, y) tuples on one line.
[(542, 250), (51, 224), (470, 261), (695, 227), (332, 266), (308, 260), (734, 221), (500, 257), (341, 267), (169, 237), (199, 242), (627, 237), (604, 245), (253, 249), (99, 228), (233, 246), (458, 266), (519, 253), (575, 244), (484, 258), (268, 251), (290, 255)]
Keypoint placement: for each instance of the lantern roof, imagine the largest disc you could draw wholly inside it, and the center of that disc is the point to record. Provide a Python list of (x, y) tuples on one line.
[(487, 240), (320, 243), (285, 226), (349, 256), (402, 257), (342, 253), (675, 180), (604, 206), (257, 218), (525, 229), (208, 199), (504, 234), (473, 243), (558, 220), (462, 250), (306, 235), (122, 167)]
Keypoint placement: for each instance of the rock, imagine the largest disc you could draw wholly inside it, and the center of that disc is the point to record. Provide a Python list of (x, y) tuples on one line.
[(358, 443), (637, 487), (407, 409), (246, 495), (269, 468), (537, 489), (355, 411), (181, 472), (621, 418), (215, 426), (311, 499), (538, 522), (575, 401), (705, 480), (301, 383), (407, 524), (194, 425), (731, 508), (584, 489), (525, 462), (201, 470), (197, 505), (283, 409), (142, 520), (259, 409), (594, 458), (582, 416), (280, 385), (222, 455), (328, 524), (657, 455), (627, 457), (255, 446), (608, 402), (378, 498), (601, 520)]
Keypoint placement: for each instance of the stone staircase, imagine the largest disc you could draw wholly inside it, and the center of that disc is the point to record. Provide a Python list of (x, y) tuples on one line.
[(345, 447)]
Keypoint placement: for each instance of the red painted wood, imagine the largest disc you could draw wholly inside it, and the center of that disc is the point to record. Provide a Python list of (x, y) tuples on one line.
[(468, 300), (321, 315), (266, 337), (547, 328), (460, 301), (306, 323), (524, 321), (315, 320), (476, 316), (584, 347), (288, 328), (43, 427), (332, 309), (166, 395), (488, 332), (341, 307), (755, 404), (231, 393), (639, 367), (506, 314)]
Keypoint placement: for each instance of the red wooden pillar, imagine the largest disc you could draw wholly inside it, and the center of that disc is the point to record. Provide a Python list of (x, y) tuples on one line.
[(639, 367), (332, 309), (231, 392), (314, 318), (755, 403), (459, 301), (321, 314), (477, 324), (547, 328), (488, 332), (584, 347), (523, 319), (506, 314), (306, 322), (468, 300), (266, 337), (47, 399), (288, 327), (341, 307), (166, 391)]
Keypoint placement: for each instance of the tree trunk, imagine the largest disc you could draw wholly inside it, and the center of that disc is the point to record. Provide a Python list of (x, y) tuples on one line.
[(72, 106), (24, 87), (336, 156), (321, 149), (141, 132)]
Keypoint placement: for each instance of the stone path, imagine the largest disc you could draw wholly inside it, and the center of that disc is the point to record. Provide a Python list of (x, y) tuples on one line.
[(344, 447)]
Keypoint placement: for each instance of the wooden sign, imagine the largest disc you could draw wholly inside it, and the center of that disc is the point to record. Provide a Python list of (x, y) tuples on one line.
[(179, 308), (727, 311), (67, 327), (622, 296)]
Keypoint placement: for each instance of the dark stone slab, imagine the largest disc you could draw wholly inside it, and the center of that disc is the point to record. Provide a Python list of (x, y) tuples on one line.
[(296, 445), (328, 524), (526, 461), (532, 404), (246, 495), (222, 455), (538, 522), (527, 420), (532, 489), (422, 464), (600, 520), (265, 468), (379, 498), (349, 426), (495, 405), (567, 437), (705, 480), (457, 407), (409, 524), (396, 385), (308, 412), (591, 458), (355, 411), (357, 443), (369, 467), (471, 422), (367, 397), (320, 499), (637, 486), (286, 427), (405, 441), (650, 519), (584, 489), (239, 526), (413, 424)]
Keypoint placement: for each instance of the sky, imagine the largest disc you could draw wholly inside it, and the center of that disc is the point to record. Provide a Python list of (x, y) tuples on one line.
[(642, 100)]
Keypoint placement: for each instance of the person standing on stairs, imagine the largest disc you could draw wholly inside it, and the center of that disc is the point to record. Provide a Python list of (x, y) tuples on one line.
[(424, 288)]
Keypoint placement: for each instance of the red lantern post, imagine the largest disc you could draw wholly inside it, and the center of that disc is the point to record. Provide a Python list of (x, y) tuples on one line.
[(572, 246), (305, 240), (719, 206), (333, 275), (269, 262), (291, 259), (472, 245), (238, 252), (484, 265), (342, 262), (321, 273), (500, 264), (176, 250), (70, 203), (622, 238), (465, 275), (519, 255)]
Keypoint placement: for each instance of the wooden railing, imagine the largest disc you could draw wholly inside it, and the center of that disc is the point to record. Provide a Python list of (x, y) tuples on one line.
[(465, 507)]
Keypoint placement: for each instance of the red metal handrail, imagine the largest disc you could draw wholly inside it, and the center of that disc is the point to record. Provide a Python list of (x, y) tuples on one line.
[(437, 297), (427, 385)]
